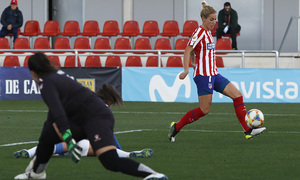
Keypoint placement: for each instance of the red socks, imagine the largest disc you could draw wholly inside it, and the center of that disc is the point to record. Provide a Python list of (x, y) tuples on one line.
[(240, 111), (195, 114), (189, 117)]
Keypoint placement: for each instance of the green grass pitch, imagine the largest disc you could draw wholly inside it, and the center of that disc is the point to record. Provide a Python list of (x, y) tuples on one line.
[(213, 147)]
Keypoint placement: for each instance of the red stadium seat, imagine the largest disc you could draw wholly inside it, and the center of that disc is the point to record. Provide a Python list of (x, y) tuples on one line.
[(113, 61), (62, 43), (142, 44), (25, 64), (70, 61), (41, 43), (219, 62), (189, 27), (223, 44), (174, 61), (93, 61), (82, 43), (21, 43), (55, 60), (110, 28), (150, 29), (162, 44), (152, 61), (181, 44), (11, 61), (31, 28), (91, 28), (102, 43), (122, 43), (133, 61), (51, 28), (4, 44), (131, 28), (71, 28), (170, 28)]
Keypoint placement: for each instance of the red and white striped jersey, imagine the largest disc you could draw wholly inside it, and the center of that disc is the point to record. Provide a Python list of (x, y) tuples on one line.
[(204, 49)]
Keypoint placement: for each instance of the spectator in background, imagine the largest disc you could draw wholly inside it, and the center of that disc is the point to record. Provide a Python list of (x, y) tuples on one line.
[(228, 23), (11, 19)]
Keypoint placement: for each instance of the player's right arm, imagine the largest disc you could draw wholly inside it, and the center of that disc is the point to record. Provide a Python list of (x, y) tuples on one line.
[(186, 59)]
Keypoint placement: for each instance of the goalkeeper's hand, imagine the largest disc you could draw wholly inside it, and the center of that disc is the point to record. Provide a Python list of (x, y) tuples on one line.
[(74, 149)]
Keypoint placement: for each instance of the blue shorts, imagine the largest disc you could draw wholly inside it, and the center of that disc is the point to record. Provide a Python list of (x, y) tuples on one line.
[(207, 84)]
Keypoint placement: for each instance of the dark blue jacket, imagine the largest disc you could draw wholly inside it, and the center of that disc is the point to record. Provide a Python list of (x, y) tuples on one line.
[(15, 18)]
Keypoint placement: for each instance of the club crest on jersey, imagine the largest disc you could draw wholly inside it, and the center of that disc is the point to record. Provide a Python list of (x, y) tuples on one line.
[(209, 85), (210, 46)]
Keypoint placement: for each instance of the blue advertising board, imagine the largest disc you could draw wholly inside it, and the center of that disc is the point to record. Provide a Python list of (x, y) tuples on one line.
[(256, 85), (162, 84), (16, 83)]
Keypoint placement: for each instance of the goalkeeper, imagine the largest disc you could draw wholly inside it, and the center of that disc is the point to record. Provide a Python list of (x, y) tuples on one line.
[(110, 97), (68, 101)]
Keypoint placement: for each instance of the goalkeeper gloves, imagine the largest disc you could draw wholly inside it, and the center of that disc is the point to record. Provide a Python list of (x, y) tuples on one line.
[(74, 149)]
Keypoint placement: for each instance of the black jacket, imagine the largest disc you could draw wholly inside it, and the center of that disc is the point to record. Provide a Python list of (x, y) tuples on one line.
[(15, 18), (68, 100), (223, 16)]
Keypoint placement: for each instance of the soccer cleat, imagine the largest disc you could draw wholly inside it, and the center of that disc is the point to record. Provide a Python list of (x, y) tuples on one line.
[(156, 176), (31, 175), (21, 154), (254, 132), (172, 132), (145, 153)]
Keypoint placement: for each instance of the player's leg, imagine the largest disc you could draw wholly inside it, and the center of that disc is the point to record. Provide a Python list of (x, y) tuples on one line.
[(205, 86), (101, 137), (238, 103), (44, 151), (111, 161), (240, 109)]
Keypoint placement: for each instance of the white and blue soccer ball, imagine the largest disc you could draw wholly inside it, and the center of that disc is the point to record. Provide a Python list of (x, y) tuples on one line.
[(254, 118)]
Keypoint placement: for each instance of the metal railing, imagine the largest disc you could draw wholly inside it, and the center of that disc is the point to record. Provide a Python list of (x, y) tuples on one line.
[(158, 52)]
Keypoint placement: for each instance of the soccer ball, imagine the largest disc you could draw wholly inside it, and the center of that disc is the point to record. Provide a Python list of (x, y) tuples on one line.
[(254, 118)]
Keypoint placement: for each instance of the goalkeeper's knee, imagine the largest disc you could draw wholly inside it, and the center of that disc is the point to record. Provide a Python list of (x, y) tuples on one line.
[(109, 160)]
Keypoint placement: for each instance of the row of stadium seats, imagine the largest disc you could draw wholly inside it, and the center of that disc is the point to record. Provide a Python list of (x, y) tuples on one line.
[(104, 43), (111, 61), (110, 28), (100, 43)]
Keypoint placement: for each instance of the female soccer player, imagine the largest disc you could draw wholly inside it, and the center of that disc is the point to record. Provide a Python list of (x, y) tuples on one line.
[(207, 77), (71, 103), (110, 96)]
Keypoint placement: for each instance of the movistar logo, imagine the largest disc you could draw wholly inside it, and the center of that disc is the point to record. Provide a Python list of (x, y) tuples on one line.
[(168, 94)]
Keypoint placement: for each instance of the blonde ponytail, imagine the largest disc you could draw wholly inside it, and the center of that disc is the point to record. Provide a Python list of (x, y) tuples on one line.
[(207, 10)]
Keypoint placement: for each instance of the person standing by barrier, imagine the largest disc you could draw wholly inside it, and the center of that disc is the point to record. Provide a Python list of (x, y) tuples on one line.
[(12, 20), (207, 77)]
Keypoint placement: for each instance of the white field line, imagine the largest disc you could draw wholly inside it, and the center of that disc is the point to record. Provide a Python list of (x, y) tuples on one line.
[(136, 112), (141, 130)]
